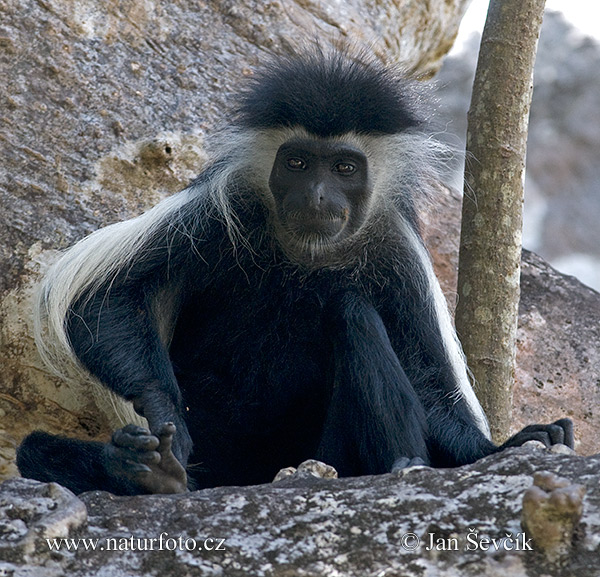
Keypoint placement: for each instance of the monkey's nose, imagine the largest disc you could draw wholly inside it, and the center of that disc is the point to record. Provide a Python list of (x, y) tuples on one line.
[(315, 197)]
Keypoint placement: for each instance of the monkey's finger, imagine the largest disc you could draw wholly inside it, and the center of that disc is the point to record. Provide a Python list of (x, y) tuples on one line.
[(135, 440), (556, 434), (132, 429), (135, 467), (569, 435), (148, 457), (559, 432), (165, 435), (548, 434)]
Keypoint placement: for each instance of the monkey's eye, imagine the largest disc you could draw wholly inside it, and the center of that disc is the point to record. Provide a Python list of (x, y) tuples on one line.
[(296, 164), (344, 168)]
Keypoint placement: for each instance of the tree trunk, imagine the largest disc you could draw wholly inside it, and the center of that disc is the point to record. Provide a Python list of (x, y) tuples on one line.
[(490, 246)]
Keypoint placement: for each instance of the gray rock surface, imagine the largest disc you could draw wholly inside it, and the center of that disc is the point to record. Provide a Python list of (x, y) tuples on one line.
[(420, 522)]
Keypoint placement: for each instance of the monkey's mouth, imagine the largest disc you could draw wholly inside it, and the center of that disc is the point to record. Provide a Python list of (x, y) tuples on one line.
[(316, 225)]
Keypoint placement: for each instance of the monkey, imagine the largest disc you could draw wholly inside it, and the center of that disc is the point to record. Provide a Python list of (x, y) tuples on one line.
[(281, 307)]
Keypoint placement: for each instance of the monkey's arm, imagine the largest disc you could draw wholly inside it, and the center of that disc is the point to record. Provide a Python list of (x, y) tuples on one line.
[(115, 335), (455, 435), (373, 410), (455, 439)]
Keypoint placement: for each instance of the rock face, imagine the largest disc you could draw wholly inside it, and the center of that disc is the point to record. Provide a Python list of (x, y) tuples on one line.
[(558, 352), (103, 111), (452, 522)]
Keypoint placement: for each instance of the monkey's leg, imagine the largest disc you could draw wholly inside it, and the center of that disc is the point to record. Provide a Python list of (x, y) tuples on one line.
[(375, 418), (134, 462), (124, 351)]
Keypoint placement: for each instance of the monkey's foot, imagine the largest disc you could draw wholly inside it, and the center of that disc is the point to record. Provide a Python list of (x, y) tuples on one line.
[(405, 463), (146, 459), (310, 467), (559, 432)]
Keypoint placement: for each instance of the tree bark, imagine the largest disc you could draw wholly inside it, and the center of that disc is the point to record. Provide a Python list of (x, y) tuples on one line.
[(490, 246)]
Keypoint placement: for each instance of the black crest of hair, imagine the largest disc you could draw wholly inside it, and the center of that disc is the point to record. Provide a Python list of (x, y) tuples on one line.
[(329, 95)]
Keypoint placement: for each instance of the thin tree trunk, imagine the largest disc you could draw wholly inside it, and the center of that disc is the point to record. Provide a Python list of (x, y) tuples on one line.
[(490, 247)]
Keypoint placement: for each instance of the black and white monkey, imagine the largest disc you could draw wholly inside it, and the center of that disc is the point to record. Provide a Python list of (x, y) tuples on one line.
[(282, 307)]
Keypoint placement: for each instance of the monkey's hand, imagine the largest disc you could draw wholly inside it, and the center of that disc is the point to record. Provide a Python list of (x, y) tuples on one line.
[(146, 459), (158, 410), (559, 432)]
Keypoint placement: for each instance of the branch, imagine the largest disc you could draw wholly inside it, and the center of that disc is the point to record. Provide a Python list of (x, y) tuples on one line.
[(490, 246)]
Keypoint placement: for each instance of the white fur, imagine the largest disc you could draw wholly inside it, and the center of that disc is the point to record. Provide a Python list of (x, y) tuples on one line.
[(409, 154), (452, 345)]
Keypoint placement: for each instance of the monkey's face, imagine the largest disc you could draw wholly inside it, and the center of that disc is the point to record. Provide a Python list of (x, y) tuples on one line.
[(321, 193)]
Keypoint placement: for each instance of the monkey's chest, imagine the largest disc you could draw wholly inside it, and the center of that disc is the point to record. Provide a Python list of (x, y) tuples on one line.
[(256, 357)]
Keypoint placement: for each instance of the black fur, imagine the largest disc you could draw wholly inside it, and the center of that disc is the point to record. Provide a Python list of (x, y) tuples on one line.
[(330, 96), (271, 362)]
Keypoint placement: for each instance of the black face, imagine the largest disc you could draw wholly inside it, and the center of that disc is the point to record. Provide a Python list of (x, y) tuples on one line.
[(321, 191)]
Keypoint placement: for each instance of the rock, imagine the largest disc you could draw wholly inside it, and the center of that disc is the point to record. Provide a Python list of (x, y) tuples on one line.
[(558, 352), (30, 513), (307, 469), (446, 522), (552, 510)]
